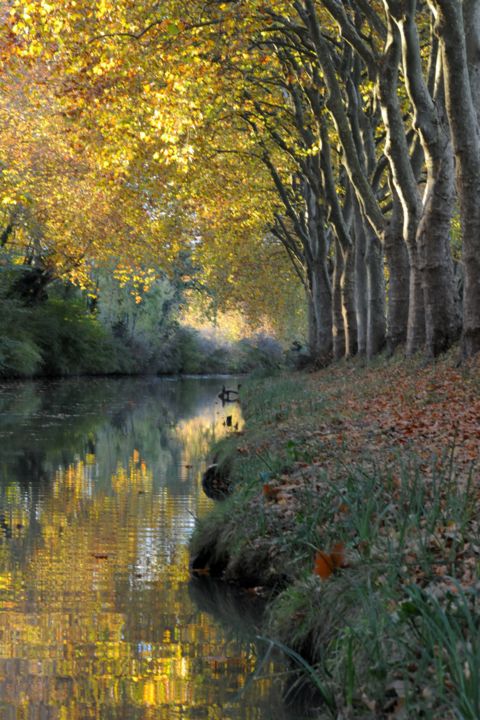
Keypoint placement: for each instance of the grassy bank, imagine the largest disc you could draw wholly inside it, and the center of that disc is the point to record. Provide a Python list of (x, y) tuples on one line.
[(356, 499)]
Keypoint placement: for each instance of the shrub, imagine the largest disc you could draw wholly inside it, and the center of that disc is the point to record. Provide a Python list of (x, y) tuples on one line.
[(19, 354), (259, 352)]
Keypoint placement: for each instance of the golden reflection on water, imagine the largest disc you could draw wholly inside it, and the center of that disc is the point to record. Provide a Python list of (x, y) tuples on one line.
[(96, 618)]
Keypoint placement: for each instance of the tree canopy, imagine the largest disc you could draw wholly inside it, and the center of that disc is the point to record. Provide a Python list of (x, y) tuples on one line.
[(313, 144)]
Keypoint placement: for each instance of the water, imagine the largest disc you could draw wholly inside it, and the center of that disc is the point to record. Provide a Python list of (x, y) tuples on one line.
[(100, 482)]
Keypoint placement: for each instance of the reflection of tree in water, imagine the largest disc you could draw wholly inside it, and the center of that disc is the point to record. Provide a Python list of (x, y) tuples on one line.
[(102, 423), (58, 421), (48, 421), (45, 425), (30, 468), (94, 581)]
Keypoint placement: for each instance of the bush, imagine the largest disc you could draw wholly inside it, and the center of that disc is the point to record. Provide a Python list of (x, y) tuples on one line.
[(58, 335), (18, 358), (55, 337), (260, 352), (192, 352), (70, 341), (19, 354)]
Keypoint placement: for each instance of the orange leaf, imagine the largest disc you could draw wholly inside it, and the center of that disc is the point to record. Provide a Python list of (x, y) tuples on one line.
[(270, 492), (324, 565)]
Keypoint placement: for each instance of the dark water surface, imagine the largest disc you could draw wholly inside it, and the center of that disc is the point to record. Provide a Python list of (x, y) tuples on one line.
[(99, 488)]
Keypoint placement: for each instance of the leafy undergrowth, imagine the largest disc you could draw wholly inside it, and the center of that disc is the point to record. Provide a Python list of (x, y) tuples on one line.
[(356, 496)]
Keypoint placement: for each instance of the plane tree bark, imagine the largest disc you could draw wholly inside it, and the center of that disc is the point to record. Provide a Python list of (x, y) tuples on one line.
[(381, 60), (355, 162), (442, 323), (306, 217), (457, 25)]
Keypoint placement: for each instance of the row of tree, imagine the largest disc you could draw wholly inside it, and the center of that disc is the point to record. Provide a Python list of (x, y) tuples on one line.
[(346, 133), (377, 107)]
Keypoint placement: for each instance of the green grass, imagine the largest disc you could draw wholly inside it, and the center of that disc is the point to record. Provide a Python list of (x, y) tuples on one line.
[(397, 631)]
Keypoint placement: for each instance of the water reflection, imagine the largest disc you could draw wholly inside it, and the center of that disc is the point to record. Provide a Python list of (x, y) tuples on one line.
[(99, 487)]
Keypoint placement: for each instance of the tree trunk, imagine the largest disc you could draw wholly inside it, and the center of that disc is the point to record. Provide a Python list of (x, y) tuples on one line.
[(416, 315), (337, 305), (433, 233), (463, 118), (396, 258), (348, 302), (340, 218), (376, 328), (361, 288), (442, 323), (312, 338), (316, 258), (404, 181), (322, 308)]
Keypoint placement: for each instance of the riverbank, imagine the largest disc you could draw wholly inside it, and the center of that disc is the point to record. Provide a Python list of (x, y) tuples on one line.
[(355, 508)]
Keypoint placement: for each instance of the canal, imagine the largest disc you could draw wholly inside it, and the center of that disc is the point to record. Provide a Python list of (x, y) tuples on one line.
[(100, 485)]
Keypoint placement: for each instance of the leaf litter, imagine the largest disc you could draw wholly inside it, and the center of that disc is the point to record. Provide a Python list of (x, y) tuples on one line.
[(411, 435)]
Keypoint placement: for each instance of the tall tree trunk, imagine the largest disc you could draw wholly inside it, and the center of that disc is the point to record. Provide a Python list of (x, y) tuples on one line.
[(396, 258), (361, 286), (433, 233), (383, 70), (316, 257), (348, 302), (340, 217), (404, 180), (337, 305), (376, 327), (463, 118)]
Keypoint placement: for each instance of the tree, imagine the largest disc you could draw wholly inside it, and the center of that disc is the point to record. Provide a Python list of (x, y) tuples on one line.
[(318, 126), (457, 25)]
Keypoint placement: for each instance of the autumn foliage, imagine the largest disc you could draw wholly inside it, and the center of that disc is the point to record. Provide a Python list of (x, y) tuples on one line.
[(327, 563), (310, 148)]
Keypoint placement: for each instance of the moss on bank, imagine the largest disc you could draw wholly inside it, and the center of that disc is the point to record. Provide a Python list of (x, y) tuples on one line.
[(382, 460)]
